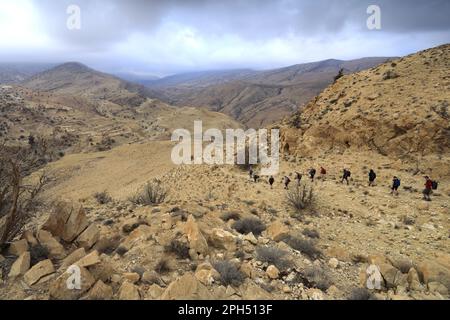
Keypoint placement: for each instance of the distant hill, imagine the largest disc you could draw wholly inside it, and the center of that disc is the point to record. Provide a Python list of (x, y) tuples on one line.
[(256, 98), (12, 73), (398, 109)]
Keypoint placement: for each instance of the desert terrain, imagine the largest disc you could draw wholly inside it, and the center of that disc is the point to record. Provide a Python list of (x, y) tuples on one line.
[(141, 228)]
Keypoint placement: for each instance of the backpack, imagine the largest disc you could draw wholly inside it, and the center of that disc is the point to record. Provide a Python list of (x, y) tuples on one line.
[(434, 185), (397, 183)]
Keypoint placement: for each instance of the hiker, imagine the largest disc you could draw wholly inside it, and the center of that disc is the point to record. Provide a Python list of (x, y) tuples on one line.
[(271, 182), (250, 172), (298, 177), (255, 178), (323, 173), (428, 189), (347, 174), (286, 182), (312, 174), (395, 186), (372, 177)]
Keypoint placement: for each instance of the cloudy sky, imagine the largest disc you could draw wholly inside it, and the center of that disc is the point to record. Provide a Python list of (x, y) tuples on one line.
[(163, 37)]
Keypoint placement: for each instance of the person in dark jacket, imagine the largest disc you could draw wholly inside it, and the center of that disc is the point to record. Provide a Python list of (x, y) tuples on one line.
[(271, 182), (286, 182), (298, 177), (255, 178), (428, 189), (312, 174), (395, 186), (372, 177), (345, 176)]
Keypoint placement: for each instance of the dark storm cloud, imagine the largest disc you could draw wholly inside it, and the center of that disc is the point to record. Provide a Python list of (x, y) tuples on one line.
[(169, 36), (109, 21)]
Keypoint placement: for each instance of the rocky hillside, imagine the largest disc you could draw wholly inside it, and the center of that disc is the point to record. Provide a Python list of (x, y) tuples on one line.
[(256, 98), (14, 73), (398, 109)]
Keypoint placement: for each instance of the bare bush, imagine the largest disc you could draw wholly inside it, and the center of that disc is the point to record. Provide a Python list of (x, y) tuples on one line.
[(102, 197), (306, 247), (18, 200), (153, 193), (318, 278), (231, 215), (300, 198), (180, 249), (361, 294), (247, 225), (273, 256), (229, 273), (162, 266), (311, 233)]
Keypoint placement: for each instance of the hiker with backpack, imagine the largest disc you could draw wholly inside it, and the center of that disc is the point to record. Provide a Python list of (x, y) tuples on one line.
[(430, 185), (372, 177), (346, 174), (298, 177), (286, 182), (255, 178), (312, 174), (323, 173), (271, 182), (395, 186)]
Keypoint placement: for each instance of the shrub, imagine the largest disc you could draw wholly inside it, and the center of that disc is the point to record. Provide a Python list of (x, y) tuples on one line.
[(109, 245), (152, 194), (318, 278), (361, 294), (300, 198), (103, 197), (38, 253), (306, 247), (231, 215), (311, 233), (247, 225), (229, 273), (180, 249), (273, 256), (121, 251), (162, 266)]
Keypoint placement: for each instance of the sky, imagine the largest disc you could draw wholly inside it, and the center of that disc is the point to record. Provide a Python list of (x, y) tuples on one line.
[(163, 37)]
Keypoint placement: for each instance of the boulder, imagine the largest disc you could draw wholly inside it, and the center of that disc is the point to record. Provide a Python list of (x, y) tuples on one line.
[(414, 280), (186, 287), (18, 247), (277, 230), (151, 277), (75, 225), (391, 275), (89, 237), (72, 258), (250, 237), (100, 291), (333, 263), (89, 260), (222, 239), (28, 235), (56, 222), (40, 270), (20, 266), (129, 291), (155, 291), (197, 241), (254, 292), (55, 249), (273, 272), (433, 271), (131, 277), (437, 287), (60, 290), (206, 274)]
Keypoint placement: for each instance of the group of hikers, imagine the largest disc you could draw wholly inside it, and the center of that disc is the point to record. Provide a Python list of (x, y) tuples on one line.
[(430, 185)]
